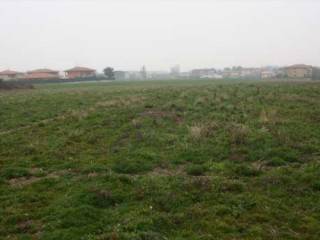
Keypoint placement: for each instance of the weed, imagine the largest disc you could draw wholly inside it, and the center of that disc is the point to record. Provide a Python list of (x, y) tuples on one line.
[(239, 133), (196, 132)]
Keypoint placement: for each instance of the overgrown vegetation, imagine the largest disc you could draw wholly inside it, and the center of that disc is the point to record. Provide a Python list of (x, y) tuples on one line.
[(161, 160), (8, 85)]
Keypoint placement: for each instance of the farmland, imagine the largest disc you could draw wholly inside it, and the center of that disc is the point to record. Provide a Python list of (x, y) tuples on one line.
[(161, 160)]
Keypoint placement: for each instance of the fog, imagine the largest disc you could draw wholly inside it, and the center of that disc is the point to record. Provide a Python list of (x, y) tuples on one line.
[(157, 33)]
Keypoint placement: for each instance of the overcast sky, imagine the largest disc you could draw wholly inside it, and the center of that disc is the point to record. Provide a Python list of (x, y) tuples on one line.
[(127, 34)]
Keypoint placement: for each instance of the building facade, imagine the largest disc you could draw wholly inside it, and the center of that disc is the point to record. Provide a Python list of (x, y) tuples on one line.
[(80, 72), (120, 75), (10, 75), (204, 73), (299, 71), (42, 74), (267, 74), (251, 73)]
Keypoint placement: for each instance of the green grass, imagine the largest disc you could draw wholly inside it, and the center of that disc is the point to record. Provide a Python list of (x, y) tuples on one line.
[(161, 160)]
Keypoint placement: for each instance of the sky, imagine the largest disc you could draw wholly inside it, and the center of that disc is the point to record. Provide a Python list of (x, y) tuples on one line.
[(126, 34)]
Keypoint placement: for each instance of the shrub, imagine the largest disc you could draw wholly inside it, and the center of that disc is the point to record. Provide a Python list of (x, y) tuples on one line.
[(196, 132), (239, 133), (269, 116)]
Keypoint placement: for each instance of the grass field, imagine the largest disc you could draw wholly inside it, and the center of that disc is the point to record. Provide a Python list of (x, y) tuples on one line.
[(161, 160)]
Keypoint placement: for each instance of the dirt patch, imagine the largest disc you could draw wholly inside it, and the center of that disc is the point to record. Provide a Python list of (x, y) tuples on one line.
[(93, 175), (167, 172), (35, 171), (162, 114), (156, 114), (201, 130), (237, 157), (259, 166), (120, 102), (25, 181), (25, 225)]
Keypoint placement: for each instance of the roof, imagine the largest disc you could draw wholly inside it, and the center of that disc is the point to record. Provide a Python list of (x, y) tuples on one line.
[(9, 72), (40, 75), (43, 70), (80, 69), (299, 66)]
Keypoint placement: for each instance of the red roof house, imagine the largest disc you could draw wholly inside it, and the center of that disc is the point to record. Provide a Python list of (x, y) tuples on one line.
[(80, 72), (42, 74), (10, 75)]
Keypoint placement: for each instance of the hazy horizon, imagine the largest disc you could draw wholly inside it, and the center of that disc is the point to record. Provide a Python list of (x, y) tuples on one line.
[(158, 33)]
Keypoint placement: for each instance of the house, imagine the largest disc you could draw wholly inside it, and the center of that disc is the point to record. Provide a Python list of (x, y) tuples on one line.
[(10, 75), (231, 73), (204, 73), (160, 75), (42, 74), (250, 73), (267, 73), (120, 75), (80, 72), (212, 76), (185, 75), (299, 71)]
